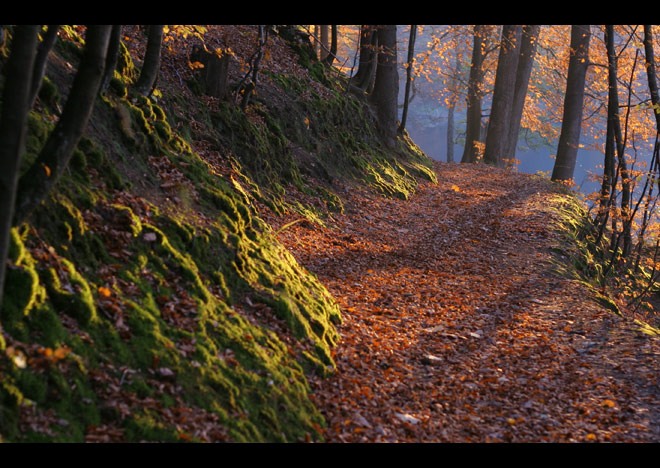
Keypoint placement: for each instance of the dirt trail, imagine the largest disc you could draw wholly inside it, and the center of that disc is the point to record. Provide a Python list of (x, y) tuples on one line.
[(457, 330)]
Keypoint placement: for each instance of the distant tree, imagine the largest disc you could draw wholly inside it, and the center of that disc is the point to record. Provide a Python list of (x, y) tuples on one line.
[(54, 157), (40, 61), (505, 83), (451, 108), (474, 95), (13, 117), (325, 41), (652, 75), (332, 55), (528, 45), (151, 64), (409, 69), (386, 85), (569, 138)]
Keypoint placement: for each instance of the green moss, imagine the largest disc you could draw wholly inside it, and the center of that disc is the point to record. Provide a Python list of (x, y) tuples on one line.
[(23, 290), (48, 94)]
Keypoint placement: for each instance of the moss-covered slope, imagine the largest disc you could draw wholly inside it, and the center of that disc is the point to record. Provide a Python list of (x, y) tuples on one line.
[(147, 299)]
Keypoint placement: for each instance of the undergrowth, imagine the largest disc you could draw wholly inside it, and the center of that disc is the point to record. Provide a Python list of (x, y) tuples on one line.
[(146, 299), (593, 264)]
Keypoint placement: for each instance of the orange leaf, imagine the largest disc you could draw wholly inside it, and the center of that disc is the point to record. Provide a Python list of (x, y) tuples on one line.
[(103, 291)]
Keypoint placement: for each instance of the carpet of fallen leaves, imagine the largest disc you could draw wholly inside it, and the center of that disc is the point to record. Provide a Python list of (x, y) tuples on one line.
[(457, 330)]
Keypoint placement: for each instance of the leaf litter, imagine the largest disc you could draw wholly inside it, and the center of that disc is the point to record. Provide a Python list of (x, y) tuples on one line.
[(457, 329)]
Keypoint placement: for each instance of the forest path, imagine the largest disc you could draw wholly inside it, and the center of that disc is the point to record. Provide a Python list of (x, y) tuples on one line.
[(456, 329)]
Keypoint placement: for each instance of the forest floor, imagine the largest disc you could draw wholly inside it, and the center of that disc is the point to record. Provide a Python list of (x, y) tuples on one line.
[(458, 329)]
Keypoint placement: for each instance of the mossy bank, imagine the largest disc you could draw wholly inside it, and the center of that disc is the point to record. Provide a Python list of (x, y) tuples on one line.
[(147, 299)]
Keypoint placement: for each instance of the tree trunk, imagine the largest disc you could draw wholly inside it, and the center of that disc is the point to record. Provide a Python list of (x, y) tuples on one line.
[(41, 60), (651, 74), (473, 124), (253, 72), (450, 132), (386, 85), (409, 69), (325, 36), (15, 97), (505, 83), (215, 74), (571, 124), (368, 61), (149, 72), (35, 184), (112, 57), (366, 52), (330, 58), (528, 43), (614, 121)]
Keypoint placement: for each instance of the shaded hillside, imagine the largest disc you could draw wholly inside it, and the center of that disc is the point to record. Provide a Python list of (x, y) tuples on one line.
[(147, 299)]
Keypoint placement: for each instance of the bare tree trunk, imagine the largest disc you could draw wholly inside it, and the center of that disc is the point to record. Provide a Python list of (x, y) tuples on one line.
[(35, 184), (409, 70), (571, 124), (450, 132), (366, 52), (386, 85), (253, 72), (15, 98), (330, 58), (325, 36), (505, 83), (473, 124), (41, 60), (366, 74), (528, 43), (151, 64), (614, 121), (112, 56)]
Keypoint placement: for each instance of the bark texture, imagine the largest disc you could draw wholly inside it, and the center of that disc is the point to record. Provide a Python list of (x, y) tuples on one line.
[(505, 82), (569, 139), (15, 100), (35, 184)]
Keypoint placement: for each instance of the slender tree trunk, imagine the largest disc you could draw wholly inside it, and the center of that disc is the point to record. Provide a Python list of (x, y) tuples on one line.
[(151, 64), (386, 85), (112, 57), (317, 43), (569, 138), (505, 81), (325, 36), (451, 110), (450, 132), (652, 80), (614, 121), (35, 184), (330, 58), (41, 60), (13, 118), (473, 124), (253, 72), (528, 43), (409, 70), (607, 188)]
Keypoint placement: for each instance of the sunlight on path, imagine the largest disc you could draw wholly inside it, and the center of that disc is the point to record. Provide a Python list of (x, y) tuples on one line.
[(457, 330)]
